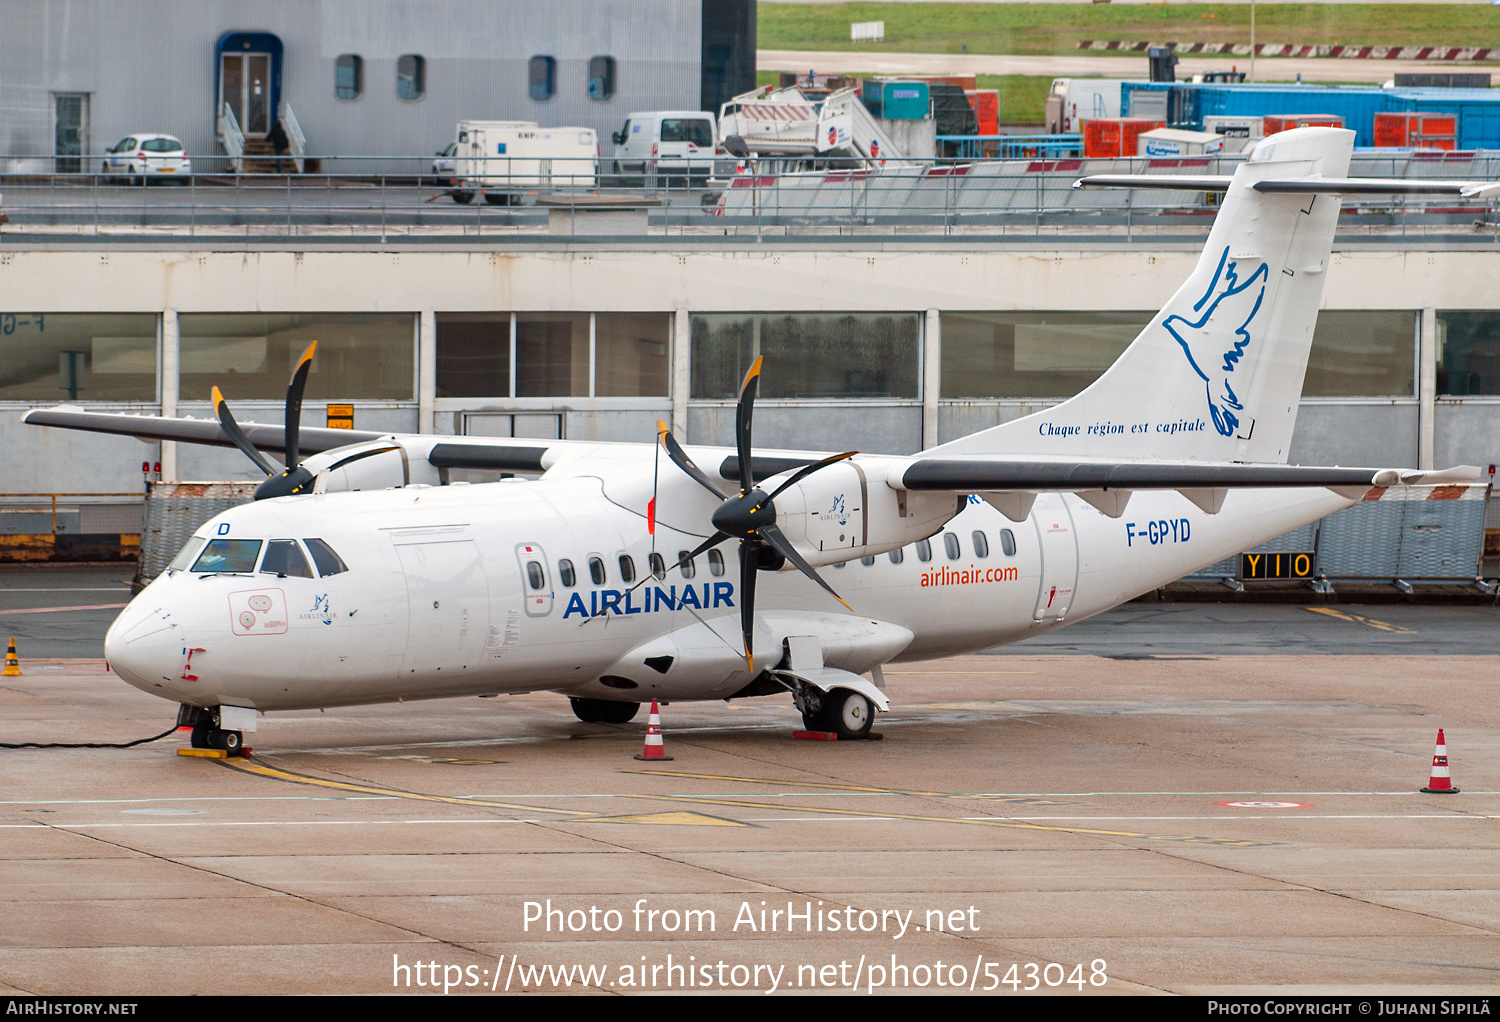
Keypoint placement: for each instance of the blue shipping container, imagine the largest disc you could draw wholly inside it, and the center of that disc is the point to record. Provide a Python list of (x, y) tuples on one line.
[(1477, 110)]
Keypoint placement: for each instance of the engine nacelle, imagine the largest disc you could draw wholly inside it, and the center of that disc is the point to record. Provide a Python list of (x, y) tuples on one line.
[(848, 510), (373, 465)]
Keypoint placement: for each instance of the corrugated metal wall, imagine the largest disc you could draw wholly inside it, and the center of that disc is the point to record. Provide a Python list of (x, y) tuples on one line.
[(150, 66)]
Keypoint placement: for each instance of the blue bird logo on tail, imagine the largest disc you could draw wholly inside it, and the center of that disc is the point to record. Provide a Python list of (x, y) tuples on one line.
[(1216, 340)]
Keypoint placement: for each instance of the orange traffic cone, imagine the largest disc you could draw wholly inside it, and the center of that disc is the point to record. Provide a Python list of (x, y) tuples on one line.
[(12, 664), (654, 749), (1439, 782)]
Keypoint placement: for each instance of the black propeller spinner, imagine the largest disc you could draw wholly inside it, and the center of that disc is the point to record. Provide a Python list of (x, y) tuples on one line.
[(294, 478), (749, 517)]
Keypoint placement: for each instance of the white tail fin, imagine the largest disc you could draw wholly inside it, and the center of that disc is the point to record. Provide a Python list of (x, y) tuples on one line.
[(1217, 375)]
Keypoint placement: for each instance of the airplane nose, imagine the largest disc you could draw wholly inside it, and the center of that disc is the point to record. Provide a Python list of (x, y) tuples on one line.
[(145, 646)]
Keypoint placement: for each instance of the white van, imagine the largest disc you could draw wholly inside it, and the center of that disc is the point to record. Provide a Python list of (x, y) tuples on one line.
[(502, 160), (666, 143)]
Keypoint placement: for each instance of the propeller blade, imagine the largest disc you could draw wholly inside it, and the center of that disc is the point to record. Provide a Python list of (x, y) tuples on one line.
[(810, 469), (681, 460), (294, 391), (776, 540), (743, 412), (237, 436), (749, 568)]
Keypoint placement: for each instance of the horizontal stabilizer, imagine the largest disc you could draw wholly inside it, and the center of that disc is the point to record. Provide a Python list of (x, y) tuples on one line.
[(970, 475), (1301, 185)]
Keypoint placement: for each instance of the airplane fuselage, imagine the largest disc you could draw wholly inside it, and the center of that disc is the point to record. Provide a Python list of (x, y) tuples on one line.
[(534, 585)]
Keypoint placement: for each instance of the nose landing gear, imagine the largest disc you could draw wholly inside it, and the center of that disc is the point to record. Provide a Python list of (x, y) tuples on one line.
[(206, 731)]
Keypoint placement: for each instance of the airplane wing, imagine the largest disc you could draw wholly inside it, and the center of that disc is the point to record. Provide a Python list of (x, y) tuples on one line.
[(192, 431), (502, 453)]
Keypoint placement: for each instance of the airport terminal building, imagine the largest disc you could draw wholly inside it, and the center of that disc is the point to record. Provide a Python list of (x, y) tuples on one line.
[(361, 77)]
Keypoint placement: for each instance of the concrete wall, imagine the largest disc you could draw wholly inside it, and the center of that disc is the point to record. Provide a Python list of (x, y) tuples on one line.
[(748, 278)]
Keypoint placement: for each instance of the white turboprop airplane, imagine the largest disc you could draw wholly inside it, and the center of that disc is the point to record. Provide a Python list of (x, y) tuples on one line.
[(626, 572)]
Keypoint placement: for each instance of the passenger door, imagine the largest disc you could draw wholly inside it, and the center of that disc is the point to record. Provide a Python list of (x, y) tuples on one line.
[(536, 579)]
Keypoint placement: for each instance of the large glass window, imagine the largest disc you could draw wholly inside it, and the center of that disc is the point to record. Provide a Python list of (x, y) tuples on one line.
[(541, 77), (807, 355), (601, 77), (473, 354), (1057, 354), (1362, 354), (1468, 353), (47, 356), (552, 354), (630, 354), (1031, 354), (252, 355), (411, 76), (348, 76)]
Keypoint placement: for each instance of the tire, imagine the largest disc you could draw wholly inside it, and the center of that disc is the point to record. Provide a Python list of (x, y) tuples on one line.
[(462, 198), (202, 736), (848, 714), (497, 200), (231, 741), (604, 711)]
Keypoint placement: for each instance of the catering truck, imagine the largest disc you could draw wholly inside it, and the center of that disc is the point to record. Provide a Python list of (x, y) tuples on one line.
[(504, 161)]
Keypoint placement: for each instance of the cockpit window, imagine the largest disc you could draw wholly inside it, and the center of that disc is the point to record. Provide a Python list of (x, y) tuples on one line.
[(284, 558), (187, 553), (231, 555), (328, 562)]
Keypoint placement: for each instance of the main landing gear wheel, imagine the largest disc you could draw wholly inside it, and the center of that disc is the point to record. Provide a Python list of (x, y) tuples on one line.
[(206, 736), (603, 711), (847, 714)]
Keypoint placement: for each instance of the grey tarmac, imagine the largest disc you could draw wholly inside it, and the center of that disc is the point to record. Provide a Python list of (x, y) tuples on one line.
[(1062, 813)]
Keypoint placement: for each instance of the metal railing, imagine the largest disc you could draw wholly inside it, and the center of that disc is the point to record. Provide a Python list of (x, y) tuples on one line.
[(296, 141), (362, 198), (230, 136)]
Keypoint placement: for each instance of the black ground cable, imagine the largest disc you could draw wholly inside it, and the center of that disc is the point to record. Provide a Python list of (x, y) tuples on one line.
[(88, 745)]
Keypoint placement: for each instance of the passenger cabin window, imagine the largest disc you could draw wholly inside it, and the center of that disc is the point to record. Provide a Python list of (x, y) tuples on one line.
[(897, 555), (627, 569), (1008, 542), (348, 76), (685, 564), (950, 545), (328, 562), (601, 77), (924, 551), (981, 544), (541, 78), (535, 575), (596, 570), (658, 567), (566, 574), (231, 555), (687, 129), (715, 563), (284, 559), (411, 76)]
